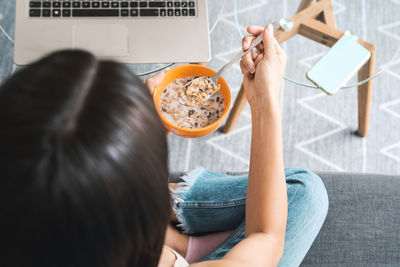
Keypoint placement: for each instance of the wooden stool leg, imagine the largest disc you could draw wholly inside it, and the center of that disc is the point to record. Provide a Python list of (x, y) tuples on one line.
[(329, 16), (365, 96), (304, 4), (238, 106)]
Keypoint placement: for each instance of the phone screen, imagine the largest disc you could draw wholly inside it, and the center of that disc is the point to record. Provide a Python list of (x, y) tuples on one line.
[(338, 65)]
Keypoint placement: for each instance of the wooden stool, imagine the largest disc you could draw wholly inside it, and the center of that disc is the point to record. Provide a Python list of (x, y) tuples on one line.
[(316, 21)]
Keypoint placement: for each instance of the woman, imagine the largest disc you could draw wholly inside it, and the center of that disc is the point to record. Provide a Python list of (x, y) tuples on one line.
[(84, 175)]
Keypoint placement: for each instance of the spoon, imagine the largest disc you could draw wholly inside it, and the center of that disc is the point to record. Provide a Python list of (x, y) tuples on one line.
[(238, 56)]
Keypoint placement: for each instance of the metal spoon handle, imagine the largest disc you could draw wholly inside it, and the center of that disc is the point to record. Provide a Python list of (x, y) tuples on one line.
[(239, 55)]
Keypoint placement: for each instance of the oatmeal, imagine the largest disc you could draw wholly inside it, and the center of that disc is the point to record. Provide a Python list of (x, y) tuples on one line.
[(199, 112)]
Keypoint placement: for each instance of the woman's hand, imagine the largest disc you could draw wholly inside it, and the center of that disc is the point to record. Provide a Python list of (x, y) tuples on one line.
[(155, 80), (263, 70)]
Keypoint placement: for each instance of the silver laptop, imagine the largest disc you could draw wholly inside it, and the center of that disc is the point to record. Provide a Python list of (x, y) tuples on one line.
[(123, 30)]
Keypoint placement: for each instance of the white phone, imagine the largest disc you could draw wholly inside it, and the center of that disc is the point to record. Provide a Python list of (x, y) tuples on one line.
[(339, 64)]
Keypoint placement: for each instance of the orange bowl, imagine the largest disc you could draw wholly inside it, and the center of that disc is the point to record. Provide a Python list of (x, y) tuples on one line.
[(190, 70)]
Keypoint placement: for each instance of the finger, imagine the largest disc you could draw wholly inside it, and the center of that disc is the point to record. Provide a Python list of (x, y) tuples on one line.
[(260, 47), (268, 39), (248, 62), (258, 59), (244, 69), (254, 54), (246, 42), (249, 40), (255, 30), (154, 80), (278, 47)]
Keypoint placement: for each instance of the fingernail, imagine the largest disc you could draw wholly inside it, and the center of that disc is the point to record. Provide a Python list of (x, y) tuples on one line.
[(270, 28), (252, 69)]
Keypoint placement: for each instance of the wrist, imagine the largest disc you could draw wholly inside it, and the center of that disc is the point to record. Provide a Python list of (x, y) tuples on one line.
[(263, 105)]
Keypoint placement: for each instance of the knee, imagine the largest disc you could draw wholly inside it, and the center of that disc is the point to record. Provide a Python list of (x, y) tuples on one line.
[(309, 190)]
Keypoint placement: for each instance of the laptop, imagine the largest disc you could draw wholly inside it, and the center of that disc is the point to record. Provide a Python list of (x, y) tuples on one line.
[(123, 30)]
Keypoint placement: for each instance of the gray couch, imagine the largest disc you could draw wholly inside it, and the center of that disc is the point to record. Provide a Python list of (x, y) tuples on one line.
[(363, 223)]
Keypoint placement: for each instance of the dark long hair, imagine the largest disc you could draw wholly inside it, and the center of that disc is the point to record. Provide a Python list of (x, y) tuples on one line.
[(83, 166)]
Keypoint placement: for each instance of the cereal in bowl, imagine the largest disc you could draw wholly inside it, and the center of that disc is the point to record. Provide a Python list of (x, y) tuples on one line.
[(199, 111)]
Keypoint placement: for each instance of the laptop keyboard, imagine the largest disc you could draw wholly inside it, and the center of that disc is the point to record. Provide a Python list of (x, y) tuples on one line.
[(116, 8)]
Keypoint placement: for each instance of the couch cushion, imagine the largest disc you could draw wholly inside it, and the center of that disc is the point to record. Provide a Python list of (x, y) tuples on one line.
[(363, 223)]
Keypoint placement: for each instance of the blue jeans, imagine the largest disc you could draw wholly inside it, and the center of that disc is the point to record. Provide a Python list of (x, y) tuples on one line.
[(215, 202)]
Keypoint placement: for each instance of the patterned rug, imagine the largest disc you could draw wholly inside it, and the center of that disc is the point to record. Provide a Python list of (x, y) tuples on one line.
[(319, 130)]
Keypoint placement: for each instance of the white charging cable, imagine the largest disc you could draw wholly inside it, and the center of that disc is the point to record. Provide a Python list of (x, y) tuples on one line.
[(221, 12), (6, 34)]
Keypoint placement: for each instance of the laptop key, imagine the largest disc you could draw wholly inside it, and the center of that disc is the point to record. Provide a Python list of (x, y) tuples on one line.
[(152, 8), (66, 12), (149, 12), (46, 13), (66, 4), (134, 12), (157, 4), (35, 4), (56, 12), (95, 13), (34, 13)]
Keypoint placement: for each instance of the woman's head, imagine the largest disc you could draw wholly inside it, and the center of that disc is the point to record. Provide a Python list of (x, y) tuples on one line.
[(83, 166)]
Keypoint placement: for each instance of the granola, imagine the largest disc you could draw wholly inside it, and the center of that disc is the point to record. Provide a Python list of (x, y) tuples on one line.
[(200, 112), (198, 90)]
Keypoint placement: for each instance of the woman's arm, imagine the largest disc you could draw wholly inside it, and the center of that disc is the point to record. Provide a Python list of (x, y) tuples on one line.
[(266, 206)]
